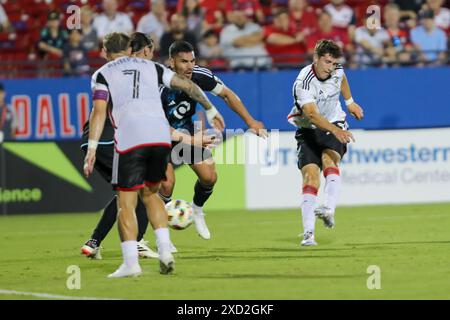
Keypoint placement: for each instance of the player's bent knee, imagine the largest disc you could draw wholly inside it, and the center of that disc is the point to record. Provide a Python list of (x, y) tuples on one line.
[(209, 180)]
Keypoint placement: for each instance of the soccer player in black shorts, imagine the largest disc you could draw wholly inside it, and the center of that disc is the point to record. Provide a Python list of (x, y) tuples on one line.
[(180, 109), (142, 46), (127, 89), (322, 134)]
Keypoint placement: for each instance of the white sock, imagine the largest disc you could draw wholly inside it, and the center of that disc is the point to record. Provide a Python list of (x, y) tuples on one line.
[(197, 209), (332, 187), (308, 206), (162, 239), (130, 252)]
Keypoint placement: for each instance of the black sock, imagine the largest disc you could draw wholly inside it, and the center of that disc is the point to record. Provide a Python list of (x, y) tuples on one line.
[(142, 220), (164, 198), (201, 193), (106, 222)]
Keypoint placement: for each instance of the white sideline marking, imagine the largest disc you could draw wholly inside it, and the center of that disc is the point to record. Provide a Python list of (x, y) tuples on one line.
[(49, 295)]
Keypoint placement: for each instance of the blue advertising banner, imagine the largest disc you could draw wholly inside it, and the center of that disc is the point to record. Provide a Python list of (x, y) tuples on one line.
[(396, 98)]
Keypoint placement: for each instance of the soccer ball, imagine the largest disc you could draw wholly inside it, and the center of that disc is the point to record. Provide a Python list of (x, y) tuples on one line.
[(180, 214)]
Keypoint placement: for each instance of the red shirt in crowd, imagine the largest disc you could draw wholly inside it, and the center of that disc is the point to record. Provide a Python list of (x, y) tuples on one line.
[(294, 52), (249, 6), (307, 22)]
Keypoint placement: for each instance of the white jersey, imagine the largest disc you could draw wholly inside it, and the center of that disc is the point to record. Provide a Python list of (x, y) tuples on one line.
[(131, 87), (324, 93)]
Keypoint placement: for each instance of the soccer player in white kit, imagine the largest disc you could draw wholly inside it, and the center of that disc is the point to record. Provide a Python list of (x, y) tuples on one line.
[(322, 134), (128, 89)]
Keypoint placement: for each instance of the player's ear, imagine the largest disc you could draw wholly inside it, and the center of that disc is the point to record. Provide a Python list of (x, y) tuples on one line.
[(129, 51), (172, 62), (315, 58)]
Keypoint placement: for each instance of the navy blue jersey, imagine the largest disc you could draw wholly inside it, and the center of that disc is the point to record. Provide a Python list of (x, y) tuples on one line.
[(179, 107)]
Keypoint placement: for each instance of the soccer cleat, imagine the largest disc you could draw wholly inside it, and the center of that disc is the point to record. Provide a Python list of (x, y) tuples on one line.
[(144, 250), (91, 250), (308, 239), (327, 216), (166, 262), (125, 271), (200, 225)]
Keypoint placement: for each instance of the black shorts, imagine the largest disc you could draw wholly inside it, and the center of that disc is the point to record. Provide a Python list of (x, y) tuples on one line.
[(141, 167), (312, 142), (188, 154), (103, 160)]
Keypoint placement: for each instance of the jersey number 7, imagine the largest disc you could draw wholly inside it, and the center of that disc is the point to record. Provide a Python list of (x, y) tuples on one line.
[(136, 76)]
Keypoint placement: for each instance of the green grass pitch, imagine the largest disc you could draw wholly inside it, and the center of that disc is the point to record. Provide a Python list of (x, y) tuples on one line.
[(252, 255)]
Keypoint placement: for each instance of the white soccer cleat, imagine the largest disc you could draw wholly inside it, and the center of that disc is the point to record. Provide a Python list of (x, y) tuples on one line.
[(145, 251), (166, 262), (327, 216), (308, 239), (91, 250), (125, 271), (200, 225)]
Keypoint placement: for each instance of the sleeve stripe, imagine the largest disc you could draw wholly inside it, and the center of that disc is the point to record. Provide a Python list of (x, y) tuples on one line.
[(203, 73), (197, 68), (307, 80)]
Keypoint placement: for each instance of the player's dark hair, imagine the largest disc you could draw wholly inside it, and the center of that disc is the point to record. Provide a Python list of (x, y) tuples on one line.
[(116, 42), (180, 46), (139, 41), (330, 47)]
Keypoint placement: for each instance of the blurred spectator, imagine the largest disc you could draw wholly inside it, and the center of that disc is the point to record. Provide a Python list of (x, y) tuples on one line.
[(251, 8), (212, 10), (155, 22), (409, 10), (302, 17), (53, 37), (4, 22), (429, 40), (89, 36), (111, 20), (441, 14), (194, 16), (371, 44), (210, 51), (75, 55), (400, 45), (283, 43), (242, 42), (209, 46), (342, 16), (7, 118), (327, 31), (178, 31)]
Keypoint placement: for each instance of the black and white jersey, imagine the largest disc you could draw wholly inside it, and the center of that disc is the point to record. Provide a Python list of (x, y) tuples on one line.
[(131, 87), (179, 107), (325, 94)]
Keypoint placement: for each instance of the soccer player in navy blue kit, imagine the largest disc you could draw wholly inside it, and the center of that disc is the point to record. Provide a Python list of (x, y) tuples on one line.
[(180, 109)]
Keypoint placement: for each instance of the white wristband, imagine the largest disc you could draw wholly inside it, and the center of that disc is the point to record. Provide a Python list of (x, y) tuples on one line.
[(92, 144), (211, 114), (349, 101)]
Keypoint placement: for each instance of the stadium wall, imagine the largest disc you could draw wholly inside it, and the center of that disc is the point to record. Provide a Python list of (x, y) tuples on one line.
[(56, 109)]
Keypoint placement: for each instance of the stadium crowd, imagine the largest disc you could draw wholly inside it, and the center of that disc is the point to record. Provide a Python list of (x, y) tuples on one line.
[(44, 37)]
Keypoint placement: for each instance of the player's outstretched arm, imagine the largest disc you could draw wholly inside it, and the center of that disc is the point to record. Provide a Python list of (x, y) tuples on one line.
[(235, 104), (96, 124), (312, 112), (215, 119), (199, 139), (353, 108)]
